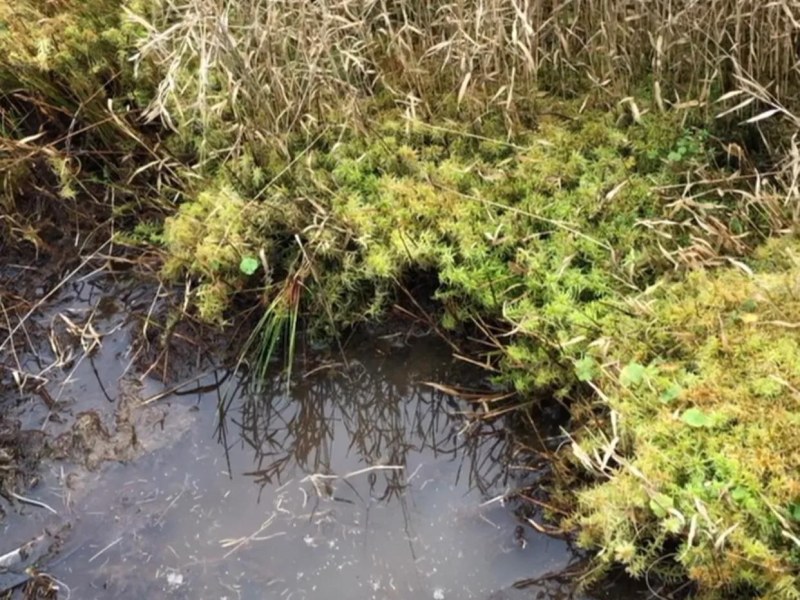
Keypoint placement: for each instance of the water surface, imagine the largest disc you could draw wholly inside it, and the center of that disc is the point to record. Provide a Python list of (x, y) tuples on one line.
[(357, 482)]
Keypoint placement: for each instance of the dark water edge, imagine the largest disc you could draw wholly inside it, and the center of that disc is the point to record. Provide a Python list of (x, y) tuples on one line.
[(359, 481)]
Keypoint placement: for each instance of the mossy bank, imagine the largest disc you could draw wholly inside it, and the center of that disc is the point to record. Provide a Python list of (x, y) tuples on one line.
[(615, 245), (697, 470), (574, 248)]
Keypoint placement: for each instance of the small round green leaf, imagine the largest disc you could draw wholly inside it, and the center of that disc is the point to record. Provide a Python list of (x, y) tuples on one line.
[(661, 504), (249, 265), (739, 493), (694, 417), (586, 368), (673, 392), (632, 374)]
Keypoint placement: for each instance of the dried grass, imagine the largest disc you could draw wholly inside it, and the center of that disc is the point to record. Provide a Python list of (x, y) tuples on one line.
[(268, 67)]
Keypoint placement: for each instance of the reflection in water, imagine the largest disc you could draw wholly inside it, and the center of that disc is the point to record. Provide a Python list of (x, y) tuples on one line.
[(382, 419), (358, 483), (377, 485)]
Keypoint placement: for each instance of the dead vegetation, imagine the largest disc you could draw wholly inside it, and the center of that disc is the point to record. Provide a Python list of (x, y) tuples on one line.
[(268, 68), (252, 114)]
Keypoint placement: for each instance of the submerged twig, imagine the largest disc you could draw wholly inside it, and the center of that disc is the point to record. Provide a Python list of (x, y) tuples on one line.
[(236, 543), (108, 547), (49, 295), (33, 502)]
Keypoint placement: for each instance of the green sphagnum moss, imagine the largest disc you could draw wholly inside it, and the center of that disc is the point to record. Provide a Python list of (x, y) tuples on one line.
[(711, 429), (571, 235)]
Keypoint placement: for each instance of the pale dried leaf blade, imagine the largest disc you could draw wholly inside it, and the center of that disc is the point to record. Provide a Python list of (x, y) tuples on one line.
[(31, 138), (464, 86), (790, 536), (733, 109), (729, 95), (610, 195), (765, 115), (583, 457), (723, 536), (740, 265)]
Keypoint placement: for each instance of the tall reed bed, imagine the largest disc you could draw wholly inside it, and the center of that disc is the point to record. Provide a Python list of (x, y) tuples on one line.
[(282, 65)]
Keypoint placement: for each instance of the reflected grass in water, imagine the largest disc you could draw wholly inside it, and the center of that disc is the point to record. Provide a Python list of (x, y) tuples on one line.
[(382, 416)]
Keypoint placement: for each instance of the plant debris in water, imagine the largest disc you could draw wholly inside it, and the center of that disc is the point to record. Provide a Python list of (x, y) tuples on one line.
[(603, 193)]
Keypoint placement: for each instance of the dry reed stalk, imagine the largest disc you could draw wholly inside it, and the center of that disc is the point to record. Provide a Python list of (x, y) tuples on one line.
[(284, 65), (239, 76)]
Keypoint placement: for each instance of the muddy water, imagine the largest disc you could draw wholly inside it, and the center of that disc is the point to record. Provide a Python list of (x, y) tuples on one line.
[(358, 482)]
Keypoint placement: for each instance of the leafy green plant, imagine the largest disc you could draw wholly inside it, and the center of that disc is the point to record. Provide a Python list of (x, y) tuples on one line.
[(690, 147), (633, 375), (694, 417)]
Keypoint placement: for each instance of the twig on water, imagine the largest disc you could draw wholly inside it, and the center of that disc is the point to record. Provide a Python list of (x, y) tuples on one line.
[(108, 547), (33, 502), (236, 543)]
